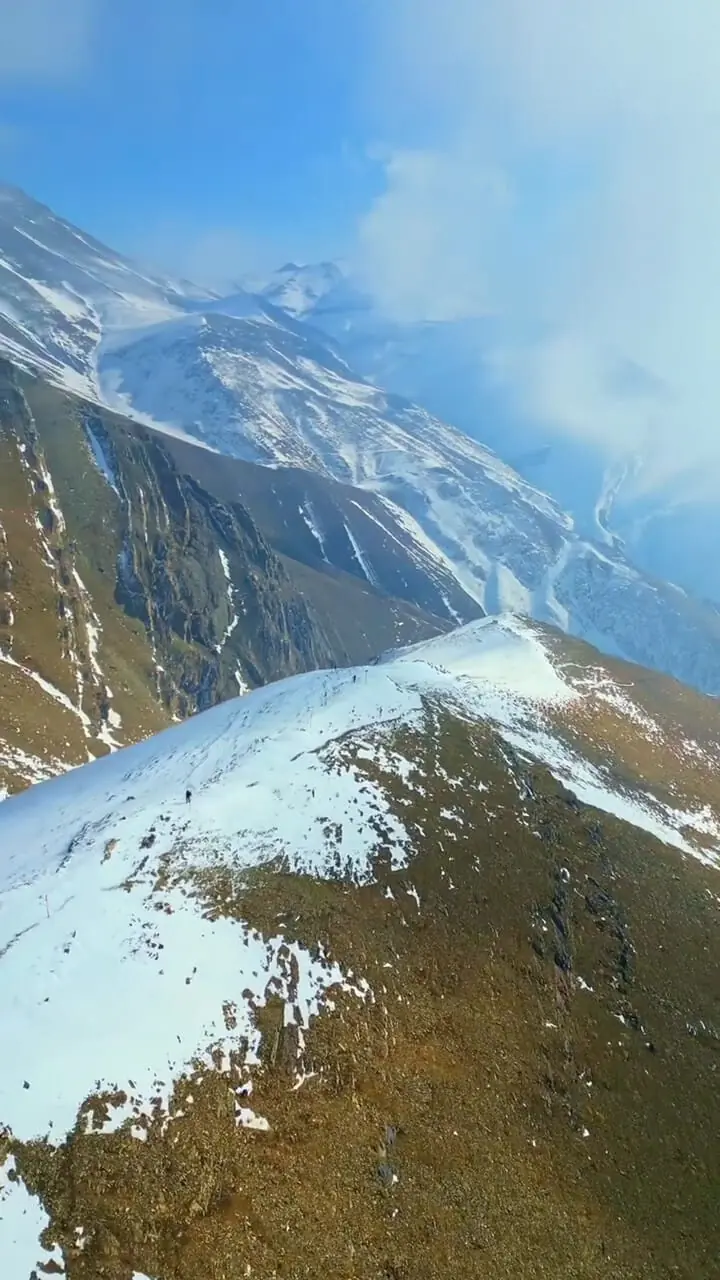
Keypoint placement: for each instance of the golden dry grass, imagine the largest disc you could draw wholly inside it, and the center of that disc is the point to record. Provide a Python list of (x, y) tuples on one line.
[(476, 1050)]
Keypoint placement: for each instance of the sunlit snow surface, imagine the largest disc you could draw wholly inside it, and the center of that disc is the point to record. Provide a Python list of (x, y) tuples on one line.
[(99, 987)]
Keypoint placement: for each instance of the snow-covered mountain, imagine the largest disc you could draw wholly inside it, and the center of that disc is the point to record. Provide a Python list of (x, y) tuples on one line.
[(272, 390), (66, 303), (250, 380), (319, 930), (61, 292), (459, 371), (332, 527), (299, 289)]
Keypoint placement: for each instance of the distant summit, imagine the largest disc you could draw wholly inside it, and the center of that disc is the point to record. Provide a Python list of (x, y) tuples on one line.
[(299, 289)]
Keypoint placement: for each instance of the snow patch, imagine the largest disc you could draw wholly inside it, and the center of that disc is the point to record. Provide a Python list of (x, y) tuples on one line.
[(234, 619), (22, 1221), (241, 682), (101, 459), (360, 556), (308, 515), (29, 768)]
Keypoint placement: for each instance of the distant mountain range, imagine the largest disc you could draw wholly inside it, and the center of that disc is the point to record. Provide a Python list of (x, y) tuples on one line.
[(251, 381)]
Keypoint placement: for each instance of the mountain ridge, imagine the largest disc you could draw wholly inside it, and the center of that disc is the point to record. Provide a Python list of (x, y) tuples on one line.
[(411, 983), (277, 398)]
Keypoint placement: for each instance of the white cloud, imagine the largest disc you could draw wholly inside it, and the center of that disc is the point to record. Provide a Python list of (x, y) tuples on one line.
[(414, 239), (600, 126), (45, 39)]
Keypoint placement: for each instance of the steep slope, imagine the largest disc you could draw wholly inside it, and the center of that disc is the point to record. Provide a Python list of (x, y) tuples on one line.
[(61, 291), (75, 301), (328, 525), (273, 391), (130, 595), (385, 997)]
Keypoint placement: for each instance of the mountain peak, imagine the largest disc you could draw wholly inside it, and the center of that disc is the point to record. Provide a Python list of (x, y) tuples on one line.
[(298, 289)]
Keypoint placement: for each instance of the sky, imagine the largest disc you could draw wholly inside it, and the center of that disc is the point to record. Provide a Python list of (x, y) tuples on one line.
[(550, 164), (203, 133)]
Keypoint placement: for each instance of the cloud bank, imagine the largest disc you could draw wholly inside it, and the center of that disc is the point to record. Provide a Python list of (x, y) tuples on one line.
[(556, 164)]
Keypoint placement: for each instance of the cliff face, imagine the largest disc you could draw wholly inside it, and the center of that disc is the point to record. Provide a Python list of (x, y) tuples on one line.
[(129, 596)]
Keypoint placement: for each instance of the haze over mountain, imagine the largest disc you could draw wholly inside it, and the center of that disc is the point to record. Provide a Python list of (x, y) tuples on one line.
[(245, 378), (467, 371)]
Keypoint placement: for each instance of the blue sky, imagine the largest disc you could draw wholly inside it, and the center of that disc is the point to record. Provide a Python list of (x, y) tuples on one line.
[(548, 163), (158, 121)]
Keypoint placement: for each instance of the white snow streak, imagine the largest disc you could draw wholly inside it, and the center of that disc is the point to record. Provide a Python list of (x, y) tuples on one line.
[(360, 556), (100, 458), (310, 519), (234, 619)]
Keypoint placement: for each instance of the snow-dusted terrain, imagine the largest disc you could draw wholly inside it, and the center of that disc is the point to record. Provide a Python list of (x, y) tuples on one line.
[(264, 773), (299, 290), (473, 372), (115, 978)]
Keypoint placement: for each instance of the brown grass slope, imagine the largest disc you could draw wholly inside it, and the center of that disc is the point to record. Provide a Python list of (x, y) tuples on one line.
[(531, 1091), (643, 729)]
